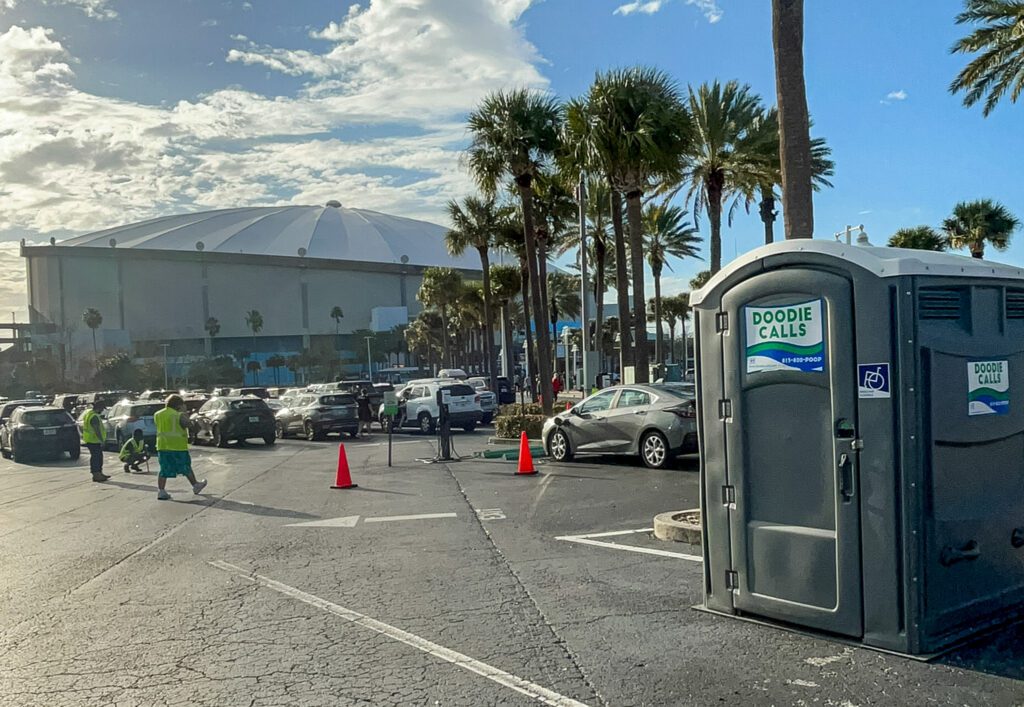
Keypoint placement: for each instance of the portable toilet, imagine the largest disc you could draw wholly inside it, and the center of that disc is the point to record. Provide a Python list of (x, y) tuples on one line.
[(861, 417)]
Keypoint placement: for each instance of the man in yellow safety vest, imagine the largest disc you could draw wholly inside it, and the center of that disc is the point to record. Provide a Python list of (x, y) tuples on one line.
[(94, 434), (172, 446)]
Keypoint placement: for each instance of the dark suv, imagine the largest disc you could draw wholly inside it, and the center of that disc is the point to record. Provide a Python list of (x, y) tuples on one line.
[(43, 431), (316, 414), (221, 420)]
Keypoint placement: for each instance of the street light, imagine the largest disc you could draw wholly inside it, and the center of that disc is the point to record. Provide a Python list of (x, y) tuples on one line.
[(164, 347), (369, 362)]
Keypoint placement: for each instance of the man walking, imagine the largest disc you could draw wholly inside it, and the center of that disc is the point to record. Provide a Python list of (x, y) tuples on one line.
[(94, 433), (172, 446)]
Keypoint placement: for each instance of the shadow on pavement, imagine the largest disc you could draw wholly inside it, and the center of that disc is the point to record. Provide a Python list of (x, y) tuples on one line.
[(184, 495), (1000, 653), (398, 493)]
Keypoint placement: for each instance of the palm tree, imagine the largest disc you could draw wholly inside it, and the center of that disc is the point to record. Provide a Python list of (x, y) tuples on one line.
[(439, 289), (254, 368), (212, 327), (823, 167), (556, 214), (977, 223), (728, 155), (673, 309), (505, 285), (669, 234), (918, 238), (93, 319), (700, 279), (635, 127), (254, 320), (1001, 62), (794, 121), (564, 294), (474, 225), (276, 362), (513, 134)]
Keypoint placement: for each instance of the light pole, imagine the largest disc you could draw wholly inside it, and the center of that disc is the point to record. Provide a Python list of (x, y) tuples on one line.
[(369, 361), (584, 316), (164, 347), (575, 350)]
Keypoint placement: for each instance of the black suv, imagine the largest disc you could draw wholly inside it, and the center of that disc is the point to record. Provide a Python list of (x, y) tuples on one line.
[(221, 420), (39, 430)]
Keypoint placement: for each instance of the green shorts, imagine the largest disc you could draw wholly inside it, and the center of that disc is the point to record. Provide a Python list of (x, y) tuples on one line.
[(174, 463)]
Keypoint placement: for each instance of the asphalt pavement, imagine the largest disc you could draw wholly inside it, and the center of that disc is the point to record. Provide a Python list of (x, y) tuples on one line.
[(431, 583)]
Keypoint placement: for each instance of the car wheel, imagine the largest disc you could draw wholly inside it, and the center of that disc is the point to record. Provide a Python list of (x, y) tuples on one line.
[(558, 444), (18, 458), (217, 438), (426, 423), (269, 440), (469, 428), (6, 453), (74, 453), (654, 450), (279, 430)]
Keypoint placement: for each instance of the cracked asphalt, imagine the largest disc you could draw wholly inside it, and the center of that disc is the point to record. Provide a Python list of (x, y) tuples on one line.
[(108, 597)]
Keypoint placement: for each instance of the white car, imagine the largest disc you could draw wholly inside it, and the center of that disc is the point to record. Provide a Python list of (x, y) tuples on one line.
[(417, 405), (488, 400)]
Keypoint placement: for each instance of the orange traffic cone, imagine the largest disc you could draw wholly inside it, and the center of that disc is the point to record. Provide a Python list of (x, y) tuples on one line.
[(568, 405), (525, 458), (344, 479)]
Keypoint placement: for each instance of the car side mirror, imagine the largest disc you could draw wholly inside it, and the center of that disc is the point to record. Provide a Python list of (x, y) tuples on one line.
[(575, 411)]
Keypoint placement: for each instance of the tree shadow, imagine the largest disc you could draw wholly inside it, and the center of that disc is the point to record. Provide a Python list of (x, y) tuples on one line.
[(223, 504), (997, 653)]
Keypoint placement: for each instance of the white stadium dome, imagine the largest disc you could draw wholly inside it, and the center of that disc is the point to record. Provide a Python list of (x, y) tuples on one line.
[(330, 232)]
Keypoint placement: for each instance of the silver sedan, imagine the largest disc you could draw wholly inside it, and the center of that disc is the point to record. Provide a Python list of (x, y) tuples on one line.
[(657, 421)]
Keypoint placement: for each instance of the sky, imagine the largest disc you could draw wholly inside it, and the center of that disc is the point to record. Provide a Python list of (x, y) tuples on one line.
[(113, 111)]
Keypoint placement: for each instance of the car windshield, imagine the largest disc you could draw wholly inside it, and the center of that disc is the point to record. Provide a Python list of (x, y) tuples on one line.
[(46, 418), (146, 410), (253, 404), (337, 400)]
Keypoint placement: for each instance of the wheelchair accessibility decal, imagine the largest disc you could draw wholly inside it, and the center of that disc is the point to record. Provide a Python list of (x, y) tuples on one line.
[(873, 380)]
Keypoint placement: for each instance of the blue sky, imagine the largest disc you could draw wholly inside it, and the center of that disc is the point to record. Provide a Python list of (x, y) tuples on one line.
[(117, 110)]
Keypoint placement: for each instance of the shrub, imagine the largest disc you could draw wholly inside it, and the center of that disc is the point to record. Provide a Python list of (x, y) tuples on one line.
[(511, 426), (517, 409)]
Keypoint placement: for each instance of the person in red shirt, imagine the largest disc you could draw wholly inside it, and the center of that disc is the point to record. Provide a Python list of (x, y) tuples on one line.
[(556, 385)]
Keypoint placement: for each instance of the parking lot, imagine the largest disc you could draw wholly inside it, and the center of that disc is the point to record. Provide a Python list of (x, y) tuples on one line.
[(454, 583)]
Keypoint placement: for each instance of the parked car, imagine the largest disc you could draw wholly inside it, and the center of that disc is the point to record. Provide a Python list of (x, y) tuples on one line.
[(66, 401), (39, 431), (157, 394), (488, 400), (314, 415), (8, 408), (101, 400), (453, 373), (417, 405), (123, 418), (219, 391), (656, 421), (221, 420), (257, 391)]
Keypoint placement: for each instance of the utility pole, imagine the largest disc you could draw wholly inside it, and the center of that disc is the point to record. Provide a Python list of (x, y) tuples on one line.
[(585, 333), (164, 347), (369, 361)]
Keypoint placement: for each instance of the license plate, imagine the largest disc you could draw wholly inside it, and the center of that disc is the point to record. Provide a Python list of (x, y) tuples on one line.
[(254, 418), (460, 404), (49, 432)]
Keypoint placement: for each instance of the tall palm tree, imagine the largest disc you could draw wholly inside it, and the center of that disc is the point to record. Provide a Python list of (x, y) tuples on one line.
[(93, 319), (669, 234), (511, 237), (440, 289), (513, 133), (1001, 63), (918, 238), (975, 224), (564, 294), (276, 362), (254, 320), (700, 279), (475, 223), (505, 284), (556, 214), (794, 121), (254, 368), (727, 158), (672, 309), (767, 123), (634, 125), (212, 326)]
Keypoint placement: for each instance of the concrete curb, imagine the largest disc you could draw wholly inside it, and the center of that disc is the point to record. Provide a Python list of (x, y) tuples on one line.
[(678, 526), (511, 440)]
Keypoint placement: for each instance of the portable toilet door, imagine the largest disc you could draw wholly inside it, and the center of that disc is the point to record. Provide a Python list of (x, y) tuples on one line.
[(788, 345)]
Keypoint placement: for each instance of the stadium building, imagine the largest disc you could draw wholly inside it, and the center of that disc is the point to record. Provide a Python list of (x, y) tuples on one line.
[(159, 281)]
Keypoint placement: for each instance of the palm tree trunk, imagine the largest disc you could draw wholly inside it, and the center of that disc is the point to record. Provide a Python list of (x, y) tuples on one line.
[(714, 194), (659, 353), (531, 360), (444, 337), (794, 123), (506, 344), (641, 355), (95, 350), (598, 339), (977, 251), (543, 344), (768, 214), (672, 340), (621, 283), (489, 371), (542, 272)]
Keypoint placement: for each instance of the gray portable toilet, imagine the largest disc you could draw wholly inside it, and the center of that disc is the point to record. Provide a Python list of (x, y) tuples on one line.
[(861, 416)]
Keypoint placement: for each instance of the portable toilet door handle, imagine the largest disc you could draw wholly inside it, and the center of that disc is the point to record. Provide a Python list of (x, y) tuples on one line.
[(845, 468)]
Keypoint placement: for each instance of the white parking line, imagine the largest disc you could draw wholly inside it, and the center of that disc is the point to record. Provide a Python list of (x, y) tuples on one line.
[(422, 516), (588, 539), (525, 687)]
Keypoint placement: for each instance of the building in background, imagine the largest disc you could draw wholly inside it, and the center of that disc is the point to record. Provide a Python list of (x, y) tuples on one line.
[(159, 281)]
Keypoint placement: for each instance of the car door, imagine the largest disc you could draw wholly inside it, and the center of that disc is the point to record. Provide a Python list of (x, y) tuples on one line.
[(110, 419), (586, 425), (626, 418), (414, 402)]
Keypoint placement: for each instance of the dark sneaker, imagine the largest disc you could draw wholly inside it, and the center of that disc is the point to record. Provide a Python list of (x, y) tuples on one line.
[(127, 469), (99, 477)]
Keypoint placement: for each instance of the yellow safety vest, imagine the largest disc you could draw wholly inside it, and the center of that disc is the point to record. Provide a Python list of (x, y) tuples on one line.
[(89, 435), (131, 447), (170, 435)]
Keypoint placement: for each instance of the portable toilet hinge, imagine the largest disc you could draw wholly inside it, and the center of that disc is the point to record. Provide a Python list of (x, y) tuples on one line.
[(729, 496), (725, 410), (857, 444), (732, 580), (722, 322)]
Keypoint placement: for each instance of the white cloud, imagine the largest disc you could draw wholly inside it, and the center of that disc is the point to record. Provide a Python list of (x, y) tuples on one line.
[(246, 5), (209, 23), (93, 8), (899, 95), (712, 12), (72, 161)]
